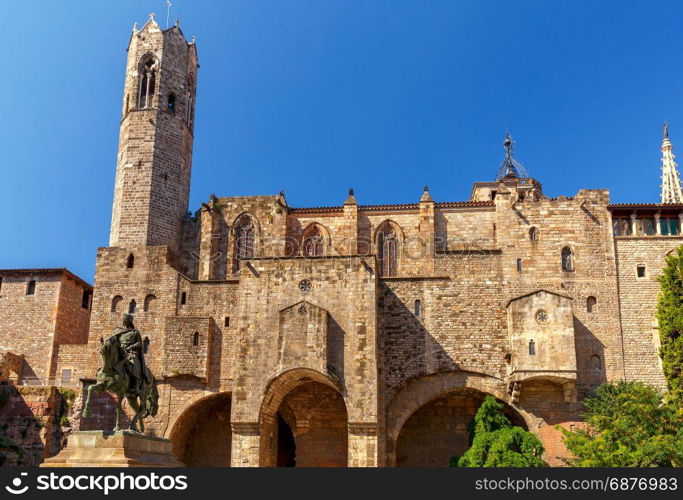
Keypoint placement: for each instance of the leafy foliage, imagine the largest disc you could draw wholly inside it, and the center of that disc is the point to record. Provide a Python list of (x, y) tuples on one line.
[(628, 425), (498, 443), (670, 318)]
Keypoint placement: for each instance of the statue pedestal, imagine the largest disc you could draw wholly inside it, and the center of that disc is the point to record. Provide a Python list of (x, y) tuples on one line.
[(114, 449)]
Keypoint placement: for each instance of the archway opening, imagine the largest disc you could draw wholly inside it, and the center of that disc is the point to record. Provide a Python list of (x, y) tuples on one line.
[(286, 444), (202, 436), (440, 429), (304, 422)]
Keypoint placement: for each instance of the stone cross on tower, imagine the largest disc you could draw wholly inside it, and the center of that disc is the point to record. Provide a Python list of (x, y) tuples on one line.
[(671, 180)]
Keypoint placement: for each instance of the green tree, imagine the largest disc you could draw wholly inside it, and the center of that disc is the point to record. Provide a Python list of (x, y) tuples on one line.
[(498, 443), (628, 425), (670, 318)]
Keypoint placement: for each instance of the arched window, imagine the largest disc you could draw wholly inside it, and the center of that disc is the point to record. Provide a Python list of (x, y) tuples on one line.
[(148, 302), (130, 262), (519, 265), (533, 234), (183, 298), (195, 338), (590, 304), (244, 234), (387, 250), (31, 287), (532, 347), (115, 303), (132, 307), (418, 307), (148, 75), (567, 259), (170, 105), (313, 243), (596, 362)]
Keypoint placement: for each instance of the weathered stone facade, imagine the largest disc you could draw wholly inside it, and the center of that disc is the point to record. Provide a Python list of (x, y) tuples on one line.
[(352, 334)]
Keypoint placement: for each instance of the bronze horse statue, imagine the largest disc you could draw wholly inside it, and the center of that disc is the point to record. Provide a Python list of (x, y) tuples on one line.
[(118, 376)]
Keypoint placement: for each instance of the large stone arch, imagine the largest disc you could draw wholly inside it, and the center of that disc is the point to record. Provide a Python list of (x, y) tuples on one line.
[(201, 433), (317, 393), (418, 392)]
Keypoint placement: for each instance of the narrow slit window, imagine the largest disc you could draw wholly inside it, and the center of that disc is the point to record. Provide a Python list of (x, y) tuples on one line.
[(171, 103), (132, 307), (418, 307), (227, 321), (130, 262), (591, 302), (85, 300), (640, 271), (183, 298), (31, 287), (532, 347), (195, 339), (519, 265)]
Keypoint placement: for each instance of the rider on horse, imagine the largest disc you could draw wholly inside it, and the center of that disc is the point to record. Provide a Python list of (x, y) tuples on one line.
[(133, 362)]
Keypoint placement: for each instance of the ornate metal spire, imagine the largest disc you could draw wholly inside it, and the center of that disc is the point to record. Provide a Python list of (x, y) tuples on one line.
[(510, 168), (671, 180)]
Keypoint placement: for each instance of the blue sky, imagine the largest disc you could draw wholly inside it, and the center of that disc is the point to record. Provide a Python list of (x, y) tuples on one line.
[(314, 97)]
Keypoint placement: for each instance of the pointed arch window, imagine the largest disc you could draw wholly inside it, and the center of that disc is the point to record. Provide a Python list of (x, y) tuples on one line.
[(148, 76), (314, 243), (387, 250), (567, 259), (244, 237), (130, 262)]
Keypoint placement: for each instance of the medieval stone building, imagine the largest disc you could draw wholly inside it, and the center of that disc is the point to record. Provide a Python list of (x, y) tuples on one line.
[(360, 335)]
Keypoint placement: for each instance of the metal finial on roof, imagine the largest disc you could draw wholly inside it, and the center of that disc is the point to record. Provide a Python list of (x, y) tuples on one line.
[(426, 188), (351, 192), (510, 168), (665, 129)]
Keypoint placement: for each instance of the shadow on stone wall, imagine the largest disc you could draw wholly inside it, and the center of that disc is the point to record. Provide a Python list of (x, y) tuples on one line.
[(590, 359), (31, 424)]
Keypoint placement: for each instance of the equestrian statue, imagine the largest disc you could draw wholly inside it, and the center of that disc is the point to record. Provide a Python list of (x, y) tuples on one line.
[(125, 374)]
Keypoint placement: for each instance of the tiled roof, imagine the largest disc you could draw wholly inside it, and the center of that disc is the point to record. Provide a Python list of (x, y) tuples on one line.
[(646, 205), (47, 270)]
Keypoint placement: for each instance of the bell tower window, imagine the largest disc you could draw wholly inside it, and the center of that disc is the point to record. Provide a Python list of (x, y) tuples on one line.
[(148, 75)]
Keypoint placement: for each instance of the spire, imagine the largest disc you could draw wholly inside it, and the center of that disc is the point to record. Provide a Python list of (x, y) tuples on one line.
[(510, 168), (671, 180), (351, 200), (425, 195)]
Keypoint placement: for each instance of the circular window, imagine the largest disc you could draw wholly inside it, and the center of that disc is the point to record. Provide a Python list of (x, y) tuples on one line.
[(542, 316), (303, 310), (305, 285)]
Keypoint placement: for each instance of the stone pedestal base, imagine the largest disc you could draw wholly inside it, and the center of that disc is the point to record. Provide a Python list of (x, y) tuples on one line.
[(114, 449)]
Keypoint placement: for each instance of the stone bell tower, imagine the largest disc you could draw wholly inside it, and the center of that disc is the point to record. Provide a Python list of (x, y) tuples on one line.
[(154, 161)]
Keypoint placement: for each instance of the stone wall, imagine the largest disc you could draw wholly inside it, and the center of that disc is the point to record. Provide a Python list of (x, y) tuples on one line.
[(638, 297), (31, 418)]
